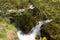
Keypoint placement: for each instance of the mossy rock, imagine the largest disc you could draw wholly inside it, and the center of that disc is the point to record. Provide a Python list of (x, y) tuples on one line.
[(52, 28)]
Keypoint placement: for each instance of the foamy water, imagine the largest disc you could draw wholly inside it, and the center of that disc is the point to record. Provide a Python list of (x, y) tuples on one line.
[(35, 31)]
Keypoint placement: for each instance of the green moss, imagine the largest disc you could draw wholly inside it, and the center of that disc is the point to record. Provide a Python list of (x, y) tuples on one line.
[(7, 27)]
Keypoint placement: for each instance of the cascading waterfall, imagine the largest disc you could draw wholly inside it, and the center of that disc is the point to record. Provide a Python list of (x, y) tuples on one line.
[(35, 31)]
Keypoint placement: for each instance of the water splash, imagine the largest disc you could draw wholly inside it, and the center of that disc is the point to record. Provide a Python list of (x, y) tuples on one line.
[(35, 31)]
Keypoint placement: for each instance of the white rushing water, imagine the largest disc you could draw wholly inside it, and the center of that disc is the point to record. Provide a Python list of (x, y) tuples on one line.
[(35, 31)]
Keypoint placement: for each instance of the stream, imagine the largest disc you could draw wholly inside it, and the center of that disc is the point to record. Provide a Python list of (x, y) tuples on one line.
[(35, 31)]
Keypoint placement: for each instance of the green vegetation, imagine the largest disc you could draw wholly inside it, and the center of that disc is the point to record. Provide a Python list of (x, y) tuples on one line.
[(44, 9), (5, 28)]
